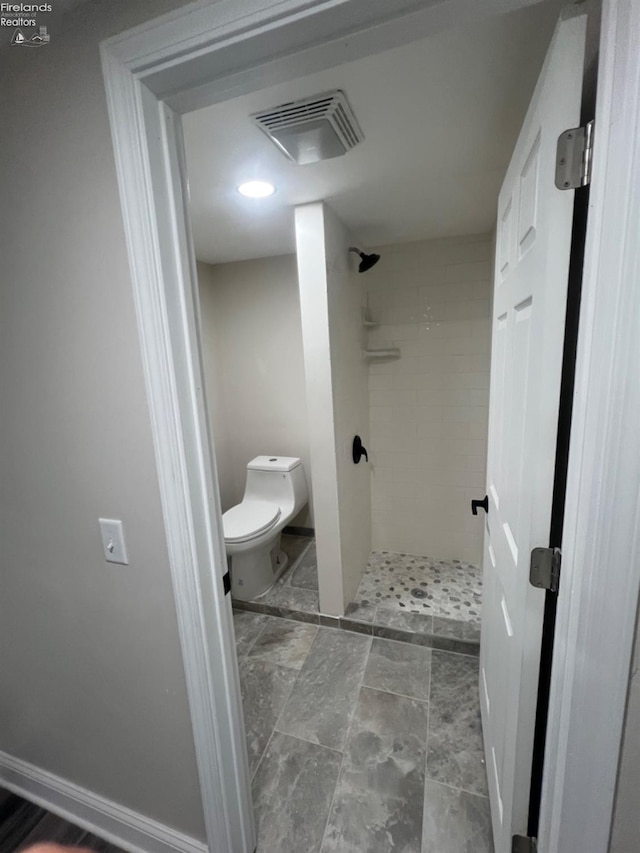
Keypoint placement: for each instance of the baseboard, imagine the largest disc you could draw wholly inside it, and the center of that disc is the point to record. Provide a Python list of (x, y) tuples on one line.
[(106, 819), (299, 531)]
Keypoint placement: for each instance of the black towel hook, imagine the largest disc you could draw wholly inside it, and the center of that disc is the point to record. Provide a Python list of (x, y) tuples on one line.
[(359, 450)]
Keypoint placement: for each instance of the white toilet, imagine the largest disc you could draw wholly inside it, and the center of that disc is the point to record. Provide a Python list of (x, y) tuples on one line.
[(275, 492)]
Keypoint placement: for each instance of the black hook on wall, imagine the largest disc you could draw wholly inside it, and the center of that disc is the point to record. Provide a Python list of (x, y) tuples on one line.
[(359, 450), (483, 504)]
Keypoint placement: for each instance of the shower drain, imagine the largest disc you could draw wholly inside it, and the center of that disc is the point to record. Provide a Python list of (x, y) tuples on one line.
[(419, 593)]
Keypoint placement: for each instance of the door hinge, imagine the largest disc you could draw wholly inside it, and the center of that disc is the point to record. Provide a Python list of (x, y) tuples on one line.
[(523, 844), (544, 569), (573, 157), (226, 582)]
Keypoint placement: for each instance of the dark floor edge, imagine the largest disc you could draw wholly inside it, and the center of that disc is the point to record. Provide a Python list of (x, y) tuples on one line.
[(299, 531), (434, 641)]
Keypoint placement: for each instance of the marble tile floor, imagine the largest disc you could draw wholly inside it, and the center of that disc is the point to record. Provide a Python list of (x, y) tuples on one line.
[(23, 824), (359, 743), (380, 612)]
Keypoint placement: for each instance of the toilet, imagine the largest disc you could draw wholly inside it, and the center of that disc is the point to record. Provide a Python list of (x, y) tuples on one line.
[(275, 491)]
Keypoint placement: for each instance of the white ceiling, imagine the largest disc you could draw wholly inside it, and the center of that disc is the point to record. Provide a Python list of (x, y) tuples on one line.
[(440, 117)]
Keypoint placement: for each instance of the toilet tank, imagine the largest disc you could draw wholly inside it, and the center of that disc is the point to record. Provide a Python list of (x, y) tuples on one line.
[(280, 479)]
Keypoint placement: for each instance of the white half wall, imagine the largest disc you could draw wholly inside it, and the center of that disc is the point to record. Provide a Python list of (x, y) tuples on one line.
[(337, 402), (254, 370), (349, 375), (429, 408)]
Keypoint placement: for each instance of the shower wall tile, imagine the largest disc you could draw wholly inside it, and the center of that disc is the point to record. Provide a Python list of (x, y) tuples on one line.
[(429, 409)]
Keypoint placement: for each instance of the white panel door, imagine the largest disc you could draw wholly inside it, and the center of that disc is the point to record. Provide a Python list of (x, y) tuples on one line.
[(530, 291)]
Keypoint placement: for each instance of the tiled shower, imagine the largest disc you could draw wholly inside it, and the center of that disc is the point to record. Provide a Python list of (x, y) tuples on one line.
[(428, 408)]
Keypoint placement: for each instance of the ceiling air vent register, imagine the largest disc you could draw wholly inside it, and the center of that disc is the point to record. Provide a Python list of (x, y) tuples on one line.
[(312, 129)]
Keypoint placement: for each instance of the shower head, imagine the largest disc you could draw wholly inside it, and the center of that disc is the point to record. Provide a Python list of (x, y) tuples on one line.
[(366, 261)]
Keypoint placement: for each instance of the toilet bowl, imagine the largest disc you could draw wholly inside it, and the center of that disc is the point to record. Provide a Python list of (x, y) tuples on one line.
[(275, 491)]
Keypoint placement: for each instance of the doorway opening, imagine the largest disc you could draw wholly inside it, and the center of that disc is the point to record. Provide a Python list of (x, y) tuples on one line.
[(407, 351), (152, 71), (424, 329)]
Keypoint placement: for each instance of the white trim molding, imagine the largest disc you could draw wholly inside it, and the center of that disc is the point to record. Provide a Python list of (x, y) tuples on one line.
[(601, 544), (160, 256), (104, 818)]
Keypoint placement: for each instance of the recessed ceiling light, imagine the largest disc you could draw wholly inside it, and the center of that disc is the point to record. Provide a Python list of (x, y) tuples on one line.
[(256, 189)]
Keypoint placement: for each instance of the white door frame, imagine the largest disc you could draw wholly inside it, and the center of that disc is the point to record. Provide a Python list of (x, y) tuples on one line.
[(601, 542), (212, 51)]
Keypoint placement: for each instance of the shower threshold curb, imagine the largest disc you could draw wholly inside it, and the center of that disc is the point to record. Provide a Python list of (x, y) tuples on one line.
[(346, 623)]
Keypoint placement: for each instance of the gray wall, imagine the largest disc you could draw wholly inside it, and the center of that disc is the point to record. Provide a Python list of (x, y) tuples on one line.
[(92, 679), (254, 371)]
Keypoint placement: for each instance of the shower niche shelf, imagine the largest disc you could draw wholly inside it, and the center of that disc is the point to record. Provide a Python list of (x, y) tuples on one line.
[(388, 353), (377, 353)]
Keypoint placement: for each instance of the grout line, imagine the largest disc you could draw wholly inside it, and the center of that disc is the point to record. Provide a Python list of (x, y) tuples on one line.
[(253, 642), (395, 693), (346, 745), (455, 788), (275, 725), (264, 752), (257, 637), (265, 655), (426, 775), (295, 681), (473, 646), (293, 566), (333, 799), (305, 740), (457, 654), (426, 758)]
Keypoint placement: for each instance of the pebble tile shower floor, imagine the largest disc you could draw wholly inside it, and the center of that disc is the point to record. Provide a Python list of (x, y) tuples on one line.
[(447, 588)]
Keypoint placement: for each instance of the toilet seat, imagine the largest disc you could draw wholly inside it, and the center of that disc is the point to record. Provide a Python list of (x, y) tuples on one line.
[(248, 520)]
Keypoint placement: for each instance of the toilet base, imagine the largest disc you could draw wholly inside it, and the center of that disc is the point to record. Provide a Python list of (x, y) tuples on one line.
[(253, 573)]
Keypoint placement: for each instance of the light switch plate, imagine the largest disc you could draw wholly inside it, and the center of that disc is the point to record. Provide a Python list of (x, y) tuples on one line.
[(115, 551)]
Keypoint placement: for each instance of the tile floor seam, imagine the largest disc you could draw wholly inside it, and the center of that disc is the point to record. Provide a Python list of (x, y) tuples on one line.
[(395, 693), (255, 640), (348, 731), (264, 752), (447, 652), (279, 663), (284, 704), (333, 798), (426, 753), (275, 725), (424, 783), (461, 790), (291, 569), (264, 655), (344, 751), (312, 742)]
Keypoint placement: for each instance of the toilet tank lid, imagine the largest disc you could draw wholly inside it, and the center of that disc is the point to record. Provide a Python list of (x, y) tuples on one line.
[(274, 463)]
